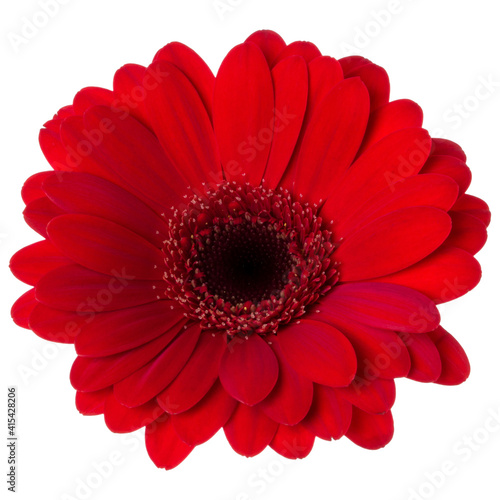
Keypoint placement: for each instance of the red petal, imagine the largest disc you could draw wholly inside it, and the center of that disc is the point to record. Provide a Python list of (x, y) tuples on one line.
[(290, 400), (197, 376), (331, 140), (269, 42), (455, 367), (76, 192), (446, 274), (202, 421), (65, 111), (55, 325), (194, 67), (350, 63), (106, 247), (389, 161), (248, 369), (54, 151), (293, 441), (38, 213), (32, 188), (23, 307), (376, 80), (32, 262), (425, 360), (249, 430), (105, 334), (125, 149), (389, 118), (92, 374), (330, 414), (53, 125), (431, 190), (92, 96), (380, 353), (118, 148), (452, 167), (290, 93), (152, 378), (164, 447), (381, 305), (370, 431), (182, 125), (92, 403), (78, 152), (243, 113), (324, 73), (392, 242), (75, 288), (467, 232), (121, 419), (319, 352), (130, 92), (448, 148), (473, 206), (370, 395), (307, 50)]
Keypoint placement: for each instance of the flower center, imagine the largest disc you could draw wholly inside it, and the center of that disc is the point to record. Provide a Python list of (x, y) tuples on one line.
[(244, 259), (244, 262)]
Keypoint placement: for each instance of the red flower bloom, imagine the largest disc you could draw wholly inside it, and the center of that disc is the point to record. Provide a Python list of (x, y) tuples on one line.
[(262, 251)]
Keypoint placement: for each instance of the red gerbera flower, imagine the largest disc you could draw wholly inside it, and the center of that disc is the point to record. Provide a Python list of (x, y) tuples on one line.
[(261, 252)]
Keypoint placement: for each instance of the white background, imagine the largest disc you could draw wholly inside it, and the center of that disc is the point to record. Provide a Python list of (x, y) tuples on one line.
[(436, 53)]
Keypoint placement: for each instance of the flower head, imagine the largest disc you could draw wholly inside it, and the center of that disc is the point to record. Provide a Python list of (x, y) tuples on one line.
[(262, 251)]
